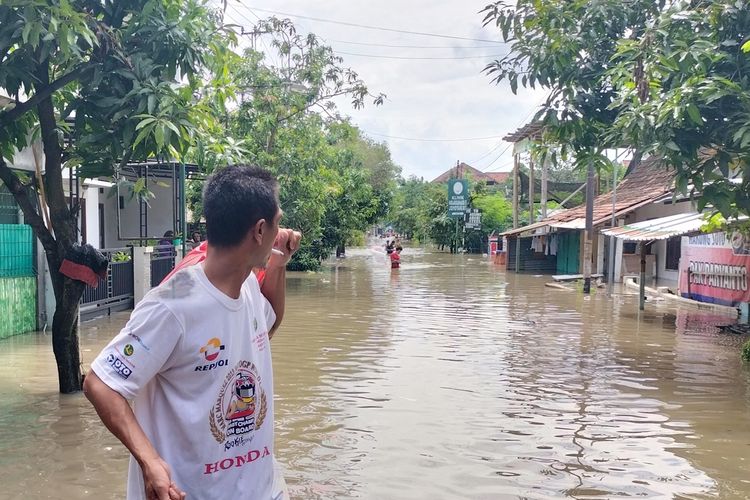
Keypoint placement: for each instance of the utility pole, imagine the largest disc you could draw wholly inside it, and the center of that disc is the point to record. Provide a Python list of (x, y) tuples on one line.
[(612, 239), (516, 183), (545, 164), (588, 240)]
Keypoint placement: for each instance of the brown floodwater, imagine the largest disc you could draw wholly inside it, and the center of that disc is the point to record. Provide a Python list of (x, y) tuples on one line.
[(445, 379)]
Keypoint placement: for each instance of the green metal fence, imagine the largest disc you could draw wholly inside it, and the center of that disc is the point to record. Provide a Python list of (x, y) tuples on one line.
[(17, 305), (18, 284), (8, 207), (16, 250)]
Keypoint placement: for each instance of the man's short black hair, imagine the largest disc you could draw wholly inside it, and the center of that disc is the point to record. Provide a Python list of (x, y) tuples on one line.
[(234, 199)]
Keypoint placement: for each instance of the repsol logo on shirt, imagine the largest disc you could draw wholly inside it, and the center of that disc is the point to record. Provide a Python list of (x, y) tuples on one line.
[(211, 366)]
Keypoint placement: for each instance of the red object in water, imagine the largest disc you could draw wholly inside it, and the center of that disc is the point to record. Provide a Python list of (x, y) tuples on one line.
[(198, 255), (395, 260)]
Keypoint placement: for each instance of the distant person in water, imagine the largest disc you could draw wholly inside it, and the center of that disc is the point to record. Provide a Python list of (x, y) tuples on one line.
[(396, 258), (390, 247)]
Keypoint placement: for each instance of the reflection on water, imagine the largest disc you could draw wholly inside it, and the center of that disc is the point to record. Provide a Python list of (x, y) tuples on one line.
[(446, 378)]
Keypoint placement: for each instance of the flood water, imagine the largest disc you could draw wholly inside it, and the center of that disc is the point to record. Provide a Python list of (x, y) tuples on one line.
[(445, 379)]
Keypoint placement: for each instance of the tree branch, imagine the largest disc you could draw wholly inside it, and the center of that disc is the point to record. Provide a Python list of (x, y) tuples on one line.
[(30, 215), (9, 116)]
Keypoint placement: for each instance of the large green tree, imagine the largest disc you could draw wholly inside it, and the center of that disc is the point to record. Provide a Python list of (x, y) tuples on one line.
[(566, 47), (693, 64), (332, 180), (98, 83)]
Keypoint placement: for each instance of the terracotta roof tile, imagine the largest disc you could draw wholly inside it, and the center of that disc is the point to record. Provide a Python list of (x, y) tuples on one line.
[(649, 181)]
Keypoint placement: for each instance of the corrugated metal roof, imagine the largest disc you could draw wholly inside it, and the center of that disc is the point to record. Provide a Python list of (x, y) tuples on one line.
[(525, 229), (659, 229), (530, 130)]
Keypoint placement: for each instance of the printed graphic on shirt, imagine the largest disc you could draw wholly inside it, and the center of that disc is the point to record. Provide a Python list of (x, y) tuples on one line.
[(128, 350), (120, 368), (212, 349), (241, 407), (211, 352), (139, 340)]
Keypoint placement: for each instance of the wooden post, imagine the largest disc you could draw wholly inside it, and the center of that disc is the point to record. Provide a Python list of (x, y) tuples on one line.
[(642, 278), (545, 165), (516, 184), (515, 191), (532, 190), (589, 234)]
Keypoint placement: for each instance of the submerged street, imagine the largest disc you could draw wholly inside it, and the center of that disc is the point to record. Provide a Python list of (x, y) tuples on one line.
[(447, 378)]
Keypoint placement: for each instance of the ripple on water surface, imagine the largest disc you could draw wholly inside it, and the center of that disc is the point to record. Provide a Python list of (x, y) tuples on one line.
[(444, 379)]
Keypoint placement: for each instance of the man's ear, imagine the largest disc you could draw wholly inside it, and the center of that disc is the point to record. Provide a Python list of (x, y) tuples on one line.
[(259, 230)]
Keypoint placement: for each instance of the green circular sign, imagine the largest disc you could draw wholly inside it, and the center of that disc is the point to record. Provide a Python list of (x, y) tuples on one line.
[(128, 350)]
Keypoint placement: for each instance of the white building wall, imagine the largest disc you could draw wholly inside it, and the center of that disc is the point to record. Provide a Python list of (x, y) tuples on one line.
[(92, 215), (160, 216), (659, 248)]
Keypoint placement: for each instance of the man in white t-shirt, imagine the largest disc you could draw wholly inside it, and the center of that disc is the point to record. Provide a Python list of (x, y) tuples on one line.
[(195, 357)]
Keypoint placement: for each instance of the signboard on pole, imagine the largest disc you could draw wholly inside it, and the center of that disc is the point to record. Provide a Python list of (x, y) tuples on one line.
[(473, 219), (458, 197)]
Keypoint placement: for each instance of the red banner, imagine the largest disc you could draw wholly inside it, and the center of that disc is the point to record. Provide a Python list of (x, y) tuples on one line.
[(714, 268)]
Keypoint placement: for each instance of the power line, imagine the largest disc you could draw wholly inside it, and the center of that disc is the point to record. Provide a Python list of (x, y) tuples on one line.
[(498, 156), (510, 143), (421, 139), (376, 56), (456, 47), (485, 155), (419, 58), (380, 28)]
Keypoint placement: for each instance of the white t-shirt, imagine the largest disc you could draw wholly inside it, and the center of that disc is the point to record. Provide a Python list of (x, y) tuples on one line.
[(197, 365)]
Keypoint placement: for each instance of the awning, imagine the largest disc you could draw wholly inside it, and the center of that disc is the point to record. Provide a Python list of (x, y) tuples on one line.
[(659, 229), (524, 229), (578, 223)]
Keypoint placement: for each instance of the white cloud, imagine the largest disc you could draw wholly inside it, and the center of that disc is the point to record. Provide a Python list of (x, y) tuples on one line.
[(437, 99)]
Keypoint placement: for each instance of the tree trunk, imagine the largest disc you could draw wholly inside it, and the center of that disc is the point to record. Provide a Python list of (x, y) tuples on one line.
[(68, 294), (65, 337)]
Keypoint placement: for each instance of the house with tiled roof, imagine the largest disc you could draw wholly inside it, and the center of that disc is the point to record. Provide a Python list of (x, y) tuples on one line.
[(554, 244), (465, 171)]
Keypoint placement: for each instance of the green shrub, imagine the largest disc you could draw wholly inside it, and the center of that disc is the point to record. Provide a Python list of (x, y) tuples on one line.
[(746, 351)]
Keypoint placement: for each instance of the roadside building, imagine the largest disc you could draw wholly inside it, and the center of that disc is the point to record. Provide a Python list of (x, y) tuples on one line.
[(555, 243)]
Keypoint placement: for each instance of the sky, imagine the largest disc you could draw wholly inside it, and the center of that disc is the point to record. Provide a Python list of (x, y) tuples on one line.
[(441, 102)]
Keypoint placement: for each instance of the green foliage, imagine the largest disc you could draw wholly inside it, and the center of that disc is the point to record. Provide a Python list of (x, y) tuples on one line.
[(746, 351), (497, 212), (566, 46), (333, 182), (694, 62), (124, 74), (99, 84), (668, 78), (420, 212), (121, 257)]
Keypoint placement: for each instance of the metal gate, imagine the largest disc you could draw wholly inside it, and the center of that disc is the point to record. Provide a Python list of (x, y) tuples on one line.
[(116, 292), (162, 263)]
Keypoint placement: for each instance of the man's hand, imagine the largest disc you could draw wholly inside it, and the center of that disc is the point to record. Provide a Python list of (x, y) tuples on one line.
[(159, 486), (287, 242)]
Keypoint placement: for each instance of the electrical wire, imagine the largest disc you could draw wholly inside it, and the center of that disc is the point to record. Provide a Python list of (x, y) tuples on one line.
[(420, 139), (419, 58), (515, 127), (379, 28), (395, 46)]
